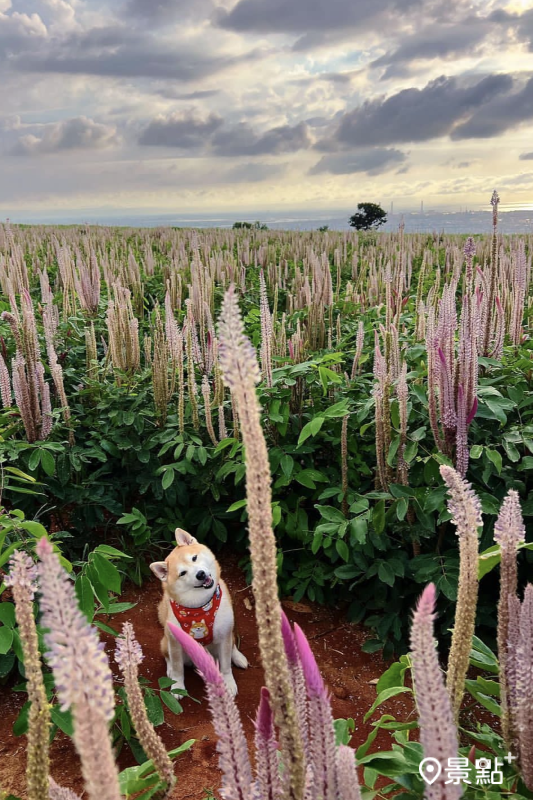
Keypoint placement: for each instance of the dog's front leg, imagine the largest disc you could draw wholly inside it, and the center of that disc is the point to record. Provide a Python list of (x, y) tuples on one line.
[(224, 658), (175, 662)]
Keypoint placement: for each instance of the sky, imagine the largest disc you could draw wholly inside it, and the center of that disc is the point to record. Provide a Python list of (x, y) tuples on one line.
[(228, 106)]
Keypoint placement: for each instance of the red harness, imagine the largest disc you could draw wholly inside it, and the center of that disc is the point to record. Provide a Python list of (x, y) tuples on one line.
[(198, 622)]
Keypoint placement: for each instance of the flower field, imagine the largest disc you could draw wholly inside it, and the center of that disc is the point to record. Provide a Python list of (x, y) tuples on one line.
[(351, 414)]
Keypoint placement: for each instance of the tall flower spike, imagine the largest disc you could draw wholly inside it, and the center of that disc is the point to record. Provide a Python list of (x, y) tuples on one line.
[(231, 745), (438, 734), (298, 681), (524, 687), (82, 676), (128, 655), (268, 783), (465, 509), (322, 733), (238, 361), (347, 780), (509, 531), (61, 793), (22, 579)]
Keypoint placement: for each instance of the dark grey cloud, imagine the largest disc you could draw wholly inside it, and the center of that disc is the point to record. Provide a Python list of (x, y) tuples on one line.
[(437, 42), (161, 12), (415, 115), (184, 130), (243, 141), (501, 114), (308, 16), (123, 52), (526, 156), (373, 161), (79, 133)]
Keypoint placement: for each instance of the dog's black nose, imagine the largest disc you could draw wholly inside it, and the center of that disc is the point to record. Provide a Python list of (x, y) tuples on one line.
[(201, 576)]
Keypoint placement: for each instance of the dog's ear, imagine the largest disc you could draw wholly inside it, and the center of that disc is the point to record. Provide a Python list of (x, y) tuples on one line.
[(160, 570), (183, 538)]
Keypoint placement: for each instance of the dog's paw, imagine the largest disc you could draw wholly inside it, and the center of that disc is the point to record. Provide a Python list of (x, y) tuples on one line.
[(238, 659), (231, 685)]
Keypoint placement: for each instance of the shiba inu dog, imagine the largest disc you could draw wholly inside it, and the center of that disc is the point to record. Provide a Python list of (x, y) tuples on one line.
[(197, 599)]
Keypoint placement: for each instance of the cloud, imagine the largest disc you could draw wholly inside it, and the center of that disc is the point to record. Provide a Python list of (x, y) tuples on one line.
[(184, 130), (508, 111), (373, 161), (117, 51), (161, 12), (243, 141), (436, 43), (254, 173), (526, 156), (415, 115), (79, 133), (305, 16)]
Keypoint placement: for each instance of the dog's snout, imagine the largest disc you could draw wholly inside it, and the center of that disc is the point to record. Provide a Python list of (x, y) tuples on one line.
[(200, 575)]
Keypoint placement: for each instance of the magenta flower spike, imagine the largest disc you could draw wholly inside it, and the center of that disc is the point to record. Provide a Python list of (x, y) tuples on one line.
[(232, 748)]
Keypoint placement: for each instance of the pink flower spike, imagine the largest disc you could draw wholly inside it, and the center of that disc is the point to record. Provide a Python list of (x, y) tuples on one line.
[(442, 357), (203, 661), (473, 412), (265, 717), (288, 639), (426, 603), (313, 678), (43, 547)]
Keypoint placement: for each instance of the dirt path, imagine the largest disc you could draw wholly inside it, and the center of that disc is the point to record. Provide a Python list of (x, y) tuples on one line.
[(349, 674)]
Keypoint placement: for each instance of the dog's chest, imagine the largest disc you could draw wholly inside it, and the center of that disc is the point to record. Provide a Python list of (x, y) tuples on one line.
[(207, 622)]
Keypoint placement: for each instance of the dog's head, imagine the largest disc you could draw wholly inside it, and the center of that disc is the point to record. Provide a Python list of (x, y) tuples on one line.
[(190, 573)]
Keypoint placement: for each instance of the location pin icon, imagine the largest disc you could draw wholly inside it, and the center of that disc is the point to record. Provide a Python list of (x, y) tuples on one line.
[(430, 769)]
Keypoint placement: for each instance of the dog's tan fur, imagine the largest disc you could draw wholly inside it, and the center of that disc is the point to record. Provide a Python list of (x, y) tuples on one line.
[(187, 557)]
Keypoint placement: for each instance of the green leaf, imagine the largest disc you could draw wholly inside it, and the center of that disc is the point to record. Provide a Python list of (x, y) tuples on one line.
[(168, 478), (47, 462), (342, 549), (6, 639), (287, 465), (475, 451), (171, 702), (35, 528), (34, 459), (236, 506), (386, 573), (7, 614), (85, 595), (63, 720), (401, 508), (304, 479), (495, 457), (331, 513), (154, 709), (378, 516), (108, 574), (393, 676), (385, 695), (311, 429), (347, 571), (106, 549)]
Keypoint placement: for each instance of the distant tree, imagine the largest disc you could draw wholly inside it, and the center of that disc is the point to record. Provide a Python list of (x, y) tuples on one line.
[(257, 226), (323, 228), (368, 216)]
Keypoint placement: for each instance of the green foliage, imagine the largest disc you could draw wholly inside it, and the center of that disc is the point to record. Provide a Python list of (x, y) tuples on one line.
[(368, 216)]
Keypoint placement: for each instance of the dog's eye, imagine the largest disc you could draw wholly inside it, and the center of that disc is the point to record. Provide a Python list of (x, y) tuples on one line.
[(183, 573), (194, 558)]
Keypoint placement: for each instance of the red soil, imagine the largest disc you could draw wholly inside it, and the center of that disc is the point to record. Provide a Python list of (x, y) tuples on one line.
[(349, 673)]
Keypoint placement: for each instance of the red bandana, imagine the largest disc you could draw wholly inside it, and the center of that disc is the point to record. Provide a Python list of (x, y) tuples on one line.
[(198, 622)]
